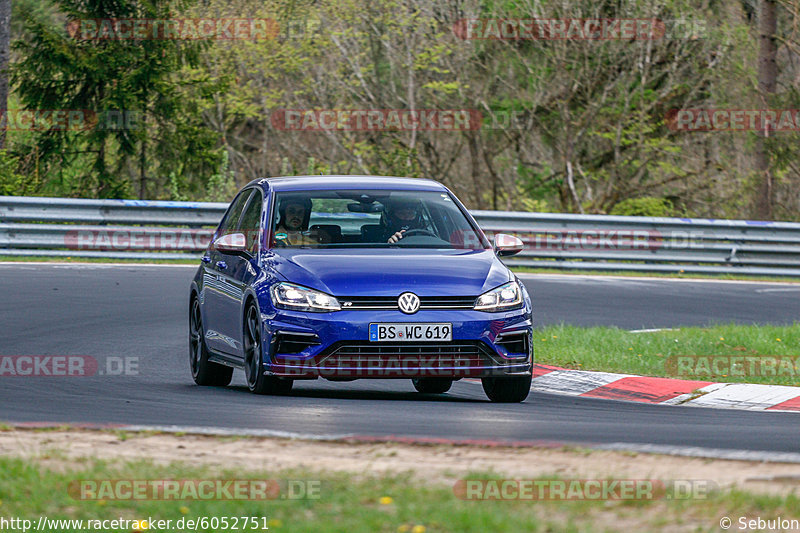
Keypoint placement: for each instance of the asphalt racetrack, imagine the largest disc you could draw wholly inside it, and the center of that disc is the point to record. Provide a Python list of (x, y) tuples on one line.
[(139, 312)]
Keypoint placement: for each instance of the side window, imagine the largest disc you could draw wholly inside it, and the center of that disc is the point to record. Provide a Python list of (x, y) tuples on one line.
[(231, 220), (251, 221)]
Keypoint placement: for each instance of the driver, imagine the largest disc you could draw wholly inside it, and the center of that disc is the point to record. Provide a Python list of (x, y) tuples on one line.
[(292, 226), (402, 215)]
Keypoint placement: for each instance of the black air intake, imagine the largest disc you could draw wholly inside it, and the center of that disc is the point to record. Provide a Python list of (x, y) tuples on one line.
[(288, 342)]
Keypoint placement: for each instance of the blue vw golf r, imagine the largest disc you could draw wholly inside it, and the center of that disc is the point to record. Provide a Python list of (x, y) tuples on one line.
[(358, 277)]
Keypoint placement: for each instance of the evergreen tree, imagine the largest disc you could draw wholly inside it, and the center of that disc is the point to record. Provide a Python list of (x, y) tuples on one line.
[(135, 113)]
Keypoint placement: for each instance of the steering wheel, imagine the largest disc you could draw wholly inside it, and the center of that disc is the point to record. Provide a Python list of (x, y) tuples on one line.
[(411, 232)]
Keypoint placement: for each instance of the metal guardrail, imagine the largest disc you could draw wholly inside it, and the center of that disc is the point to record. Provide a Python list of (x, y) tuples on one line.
[(139, 212), (179, 230)]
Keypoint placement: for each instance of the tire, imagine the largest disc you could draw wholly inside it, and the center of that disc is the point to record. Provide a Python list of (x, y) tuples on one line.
[(204, 372), (507, 389), (257, 382), (432, 385)]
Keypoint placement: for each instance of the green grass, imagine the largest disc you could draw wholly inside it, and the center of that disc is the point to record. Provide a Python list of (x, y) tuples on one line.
[(655, 354), (385, 503)]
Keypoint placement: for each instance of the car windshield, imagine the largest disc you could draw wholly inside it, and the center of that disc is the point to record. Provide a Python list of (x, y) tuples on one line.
[(372, 219)]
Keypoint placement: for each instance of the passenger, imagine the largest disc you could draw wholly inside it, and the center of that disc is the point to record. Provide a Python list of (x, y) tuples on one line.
[(292, 227)]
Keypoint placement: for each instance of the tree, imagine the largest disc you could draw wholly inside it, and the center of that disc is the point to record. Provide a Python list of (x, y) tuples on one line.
[(5, 36), (767, 83), (135, 107)]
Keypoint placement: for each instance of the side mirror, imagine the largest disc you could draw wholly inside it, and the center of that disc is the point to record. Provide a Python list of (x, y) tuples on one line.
[(233, 244), (507, 245)]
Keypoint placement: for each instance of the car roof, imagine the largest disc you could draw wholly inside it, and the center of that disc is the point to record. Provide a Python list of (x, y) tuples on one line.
[(309, 183)]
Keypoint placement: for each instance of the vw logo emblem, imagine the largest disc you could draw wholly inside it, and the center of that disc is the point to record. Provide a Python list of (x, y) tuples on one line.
[(408, 303)]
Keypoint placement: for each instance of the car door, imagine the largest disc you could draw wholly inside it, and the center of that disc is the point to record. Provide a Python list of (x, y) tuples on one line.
[(237, 273), (216, 291)]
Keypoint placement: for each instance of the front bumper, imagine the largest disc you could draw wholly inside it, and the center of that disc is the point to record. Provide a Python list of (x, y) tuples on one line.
[(336, 346)]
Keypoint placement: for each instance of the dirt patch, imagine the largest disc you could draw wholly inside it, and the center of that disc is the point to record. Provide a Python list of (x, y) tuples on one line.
[(429, 463)]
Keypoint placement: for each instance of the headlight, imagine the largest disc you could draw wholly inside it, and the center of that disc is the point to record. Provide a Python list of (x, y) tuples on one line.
[(291, 296), (501, 298)]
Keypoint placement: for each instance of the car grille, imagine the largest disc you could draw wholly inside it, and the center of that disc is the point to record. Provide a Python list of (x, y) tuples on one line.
[(407, 355), (390, 302)]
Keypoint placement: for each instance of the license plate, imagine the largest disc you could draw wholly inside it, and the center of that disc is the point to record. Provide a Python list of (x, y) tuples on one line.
[(410, 332)]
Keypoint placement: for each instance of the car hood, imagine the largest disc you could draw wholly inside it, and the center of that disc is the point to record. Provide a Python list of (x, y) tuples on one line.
[(355, 272)]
